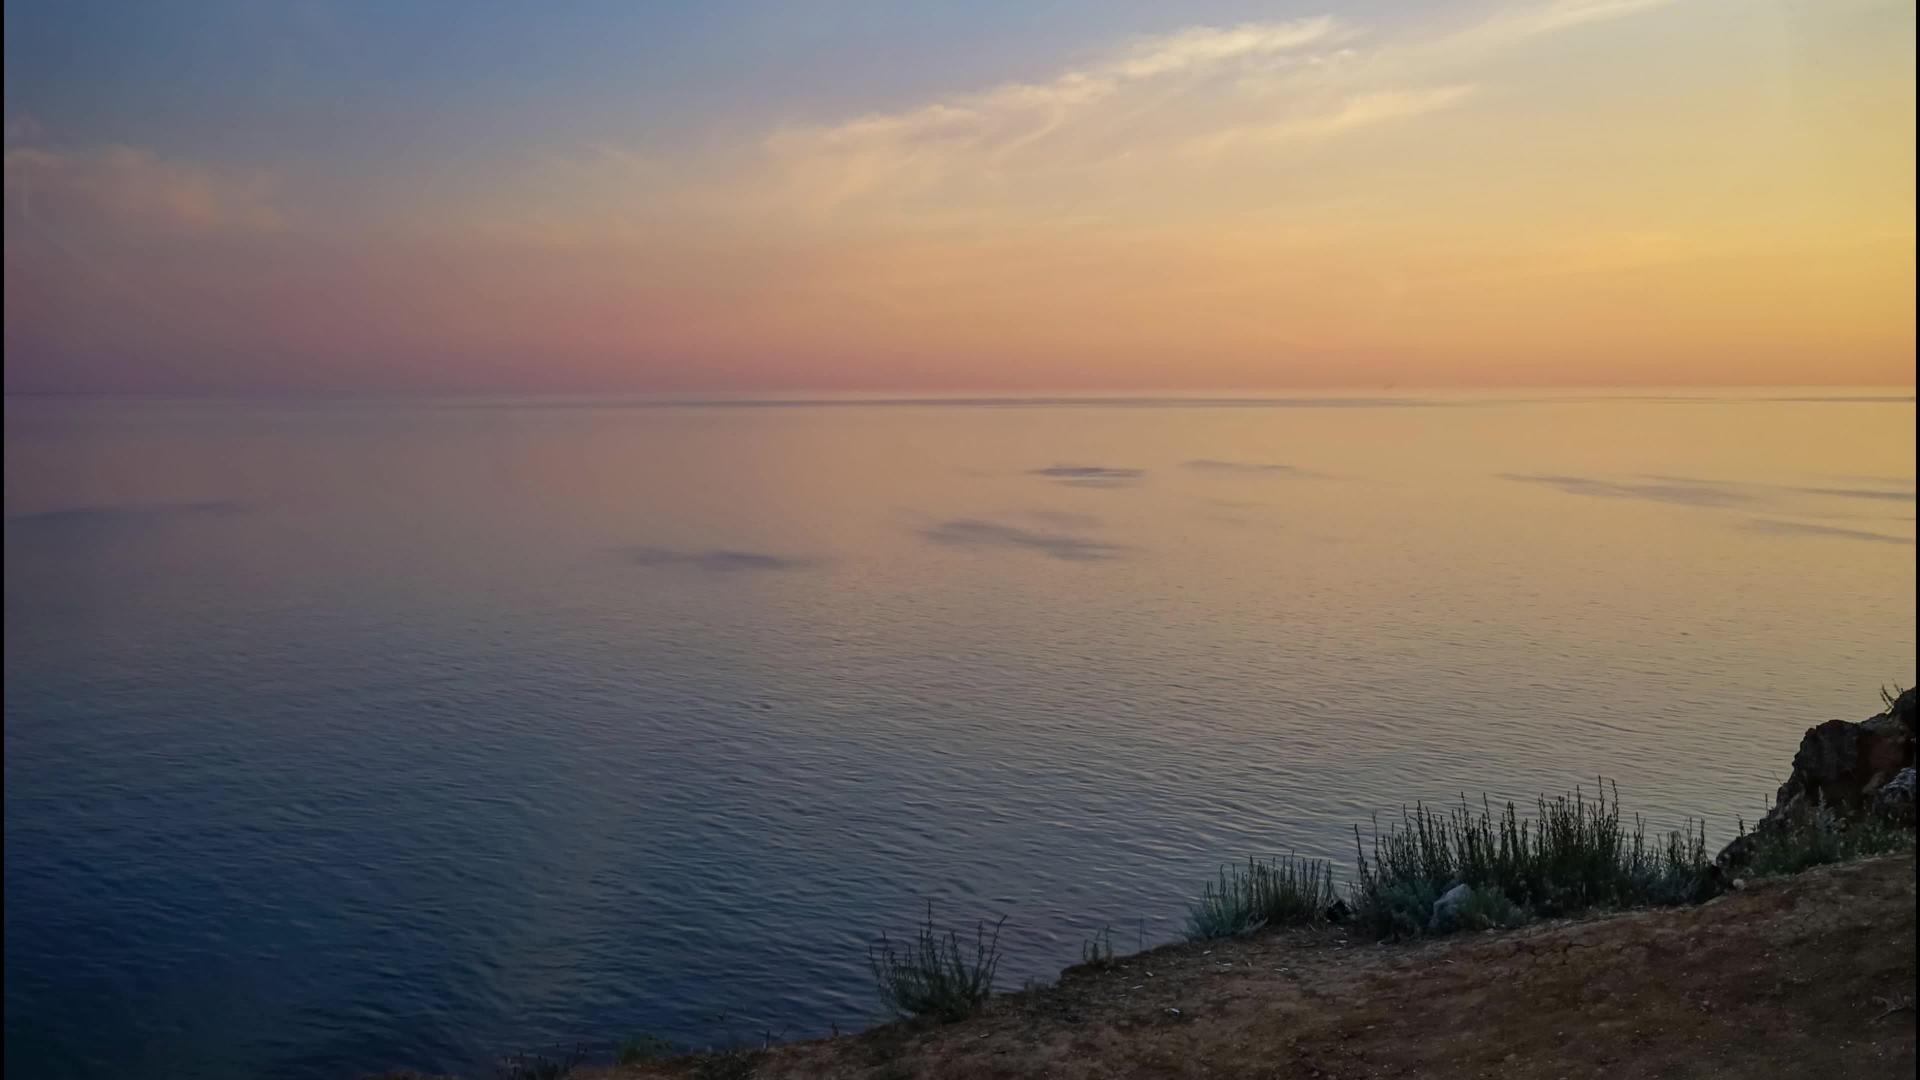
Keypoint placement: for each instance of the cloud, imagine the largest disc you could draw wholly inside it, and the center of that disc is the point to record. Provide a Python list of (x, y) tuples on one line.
[(1698, 493), (1798, 528), (1091, 249), (129, 188), (1200, 46), (1350, 114), (922, 144), (713, 560), (968, 532), (1534, 19), (983, 143), (1090, 475), (1199, 122), (1111, 127), (22, 128)]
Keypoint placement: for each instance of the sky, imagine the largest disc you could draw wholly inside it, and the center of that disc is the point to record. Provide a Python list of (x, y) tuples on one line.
[(315, 197)]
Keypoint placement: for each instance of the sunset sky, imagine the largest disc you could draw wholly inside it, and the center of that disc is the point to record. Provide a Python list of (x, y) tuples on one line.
[(834, 196)]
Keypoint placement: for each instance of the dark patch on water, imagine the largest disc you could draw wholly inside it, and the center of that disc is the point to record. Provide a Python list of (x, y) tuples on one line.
[(1211, 465), (1858, 493), (714, 560), (967, 532), (1801, 528), (1091, 475), (1694, 493)]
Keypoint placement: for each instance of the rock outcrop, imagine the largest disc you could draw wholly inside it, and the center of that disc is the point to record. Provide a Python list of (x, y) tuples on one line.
[(1894, 800), (1446, 910), (1842, 765), (1850, 769)]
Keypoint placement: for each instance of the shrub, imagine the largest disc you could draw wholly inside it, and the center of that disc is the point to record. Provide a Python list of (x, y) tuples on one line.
[(1574, 855), (540, 1067), (1396, 909), (1282, 892), (1097, 951), (935, 976), (734, 1063), (1820, 836), (639, 1048), (1488, 908)]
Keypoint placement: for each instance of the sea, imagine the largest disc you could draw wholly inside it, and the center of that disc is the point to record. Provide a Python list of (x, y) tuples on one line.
[(352, 733)]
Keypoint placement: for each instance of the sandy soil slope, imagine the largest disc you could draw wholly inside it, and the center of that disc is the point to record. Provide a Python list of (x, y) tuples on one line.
[(1809, 976)]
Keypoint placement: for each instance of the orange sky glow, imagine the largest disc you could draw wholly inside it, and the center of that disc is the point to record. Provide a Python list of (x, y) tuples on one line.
[(1575, 192)]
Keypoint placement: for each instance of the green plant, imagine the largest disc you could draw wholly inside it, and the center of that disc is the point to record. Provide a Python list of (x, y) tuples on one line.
[(1398, 908), (539, 1067), (734, 1063), (1575, 854), (1291, 891), (639, 1048), (934, 976), (1097, 951), (1488, 908), (1819, 836)]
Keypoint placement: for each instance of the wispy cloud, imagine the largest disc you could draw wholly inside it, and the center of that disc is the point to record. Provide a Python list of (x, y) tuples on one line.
[(1389, 197), (22, 128), (1189, 95), (1531, 20), (1000, 131), (131, 188), (1184, 123), (1350, 114), (1201, 46)]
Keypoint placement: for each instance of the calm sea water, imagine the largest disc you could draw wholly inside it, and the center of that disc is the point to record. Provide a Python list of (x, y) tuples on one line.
[(344, 735)]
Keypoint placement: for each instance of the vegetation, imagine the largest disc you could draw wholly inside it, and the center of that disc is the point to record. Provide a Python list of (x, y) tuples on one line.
[(1282, 892), (935, 977), (1575, 855), (540, 1067), (1485, 908), (1820, 836), (639, 1048), (1097, 951), (735, 1063), (1497, 869)]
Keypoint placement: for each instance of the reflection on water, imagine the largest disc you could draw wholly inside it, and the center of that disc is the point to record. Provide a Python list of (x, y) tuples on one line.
[(348, 734)]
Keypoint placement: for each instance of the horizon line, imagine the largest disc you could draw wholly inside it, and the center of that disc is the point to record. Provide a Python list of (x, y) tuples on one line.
[(1374, 396)]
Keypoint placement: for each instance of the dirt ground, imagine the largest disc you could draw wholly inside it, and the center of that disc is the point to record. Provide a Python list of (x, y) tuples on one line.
[(1809, 976)]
